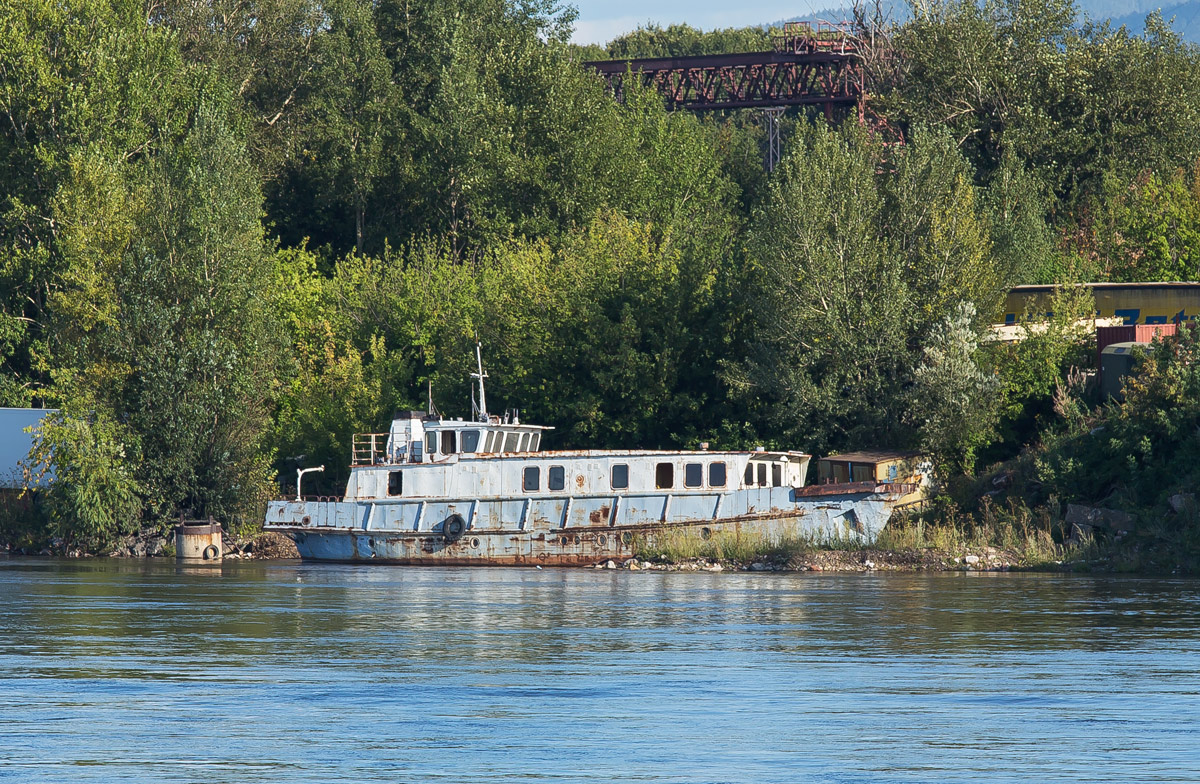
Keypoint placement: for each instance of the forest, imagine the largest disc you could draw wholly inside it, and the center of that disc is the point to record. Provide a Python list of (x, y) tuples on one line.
[(233, 233)]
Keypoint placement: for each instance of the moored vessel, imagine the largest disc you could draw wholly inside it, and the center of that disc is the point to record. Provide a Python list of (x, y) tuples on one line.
[(434, 490)]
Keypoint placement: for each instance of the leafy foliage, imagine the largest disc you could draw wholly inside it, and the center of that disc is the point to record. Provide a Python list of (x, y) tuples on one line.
[(859, 267), (232, 234)]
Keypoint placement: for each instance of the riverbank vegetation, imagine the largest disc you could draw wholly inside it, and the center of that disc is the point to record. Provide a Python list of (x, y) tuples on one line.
[(233, 234)]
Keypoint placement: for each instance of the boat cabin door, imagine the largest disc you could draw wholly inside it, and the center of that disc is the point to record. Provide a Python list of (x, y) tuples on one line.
[(406, 440)]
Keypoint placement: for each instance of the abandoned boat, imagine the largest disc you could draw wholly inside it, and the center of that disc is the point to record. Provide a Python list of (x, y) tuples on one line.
[(434, 490)]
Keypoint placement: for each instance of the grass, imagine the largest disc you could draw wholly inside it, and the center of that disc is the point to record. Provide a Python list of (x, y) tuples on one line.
[(1029, 539), (680, 545), (1033, 537), (677, 545)]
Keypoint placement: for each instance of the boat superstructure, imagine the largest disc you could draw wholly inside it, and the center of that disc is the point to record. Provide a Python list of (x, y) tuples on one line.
[(434, 490)]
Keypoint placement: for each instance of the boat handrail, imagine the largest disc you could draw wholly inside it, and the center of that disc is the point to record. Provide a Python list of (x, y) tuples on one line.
[(368, 449)]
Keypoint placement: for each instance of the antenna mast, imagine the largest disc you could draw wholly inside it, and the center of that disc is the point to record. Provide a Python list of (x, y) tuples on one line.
[(481, 413)]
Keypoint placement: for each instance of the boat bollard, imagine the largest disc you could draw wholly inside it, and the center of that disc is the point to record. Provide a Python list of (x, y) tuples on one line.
[(198, 541)]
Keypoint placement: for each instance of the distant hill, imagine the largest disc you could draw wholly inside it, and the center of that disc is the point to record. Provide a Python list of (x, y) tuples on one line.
[(1131, 13), (1186, 18)]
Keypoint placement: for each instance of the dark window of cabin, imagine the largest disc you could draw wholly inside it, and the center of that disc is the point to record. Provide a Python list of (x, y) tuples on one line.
[(395, 482), (749, 478), (431, 443), (620, 476), (532, 479), (470, 440), (524, 443), (693, 475), (536, 442), (510, 441), (449, 439), (491, 441), (776, 475), (716, 474), (556, 479), (664, 476), (762, 474)]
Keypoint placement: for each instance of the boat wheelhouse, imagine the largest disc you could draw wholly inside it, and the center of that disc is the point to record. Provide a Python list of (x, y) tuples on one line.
[(483, 491)]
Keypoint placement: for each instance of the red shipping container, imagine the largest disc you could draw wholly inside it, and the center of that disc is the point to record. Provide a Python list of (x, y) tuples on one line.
[(1130, 333)]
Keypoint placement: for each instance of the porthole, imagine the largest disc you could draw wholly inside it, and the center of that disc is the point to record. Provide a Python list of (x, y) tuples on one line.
[(627, 537), (602, 540), (576, 540), (475, 543), (706, 533)]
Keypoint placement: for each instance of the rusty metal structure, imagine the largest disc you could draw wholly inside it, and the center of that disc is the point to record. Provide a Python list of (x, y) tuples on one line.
[(810, 64)]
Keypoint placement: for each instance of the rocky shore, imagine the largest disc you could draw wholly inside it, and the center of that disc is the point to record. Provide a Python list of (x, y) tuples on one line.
[(988, 559), (152, 543), (272, 546)]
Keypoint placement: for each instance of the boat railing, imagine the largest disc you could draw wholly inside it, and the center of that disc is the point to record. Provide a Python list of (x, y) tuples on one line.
[(868, 486), (368, 449)]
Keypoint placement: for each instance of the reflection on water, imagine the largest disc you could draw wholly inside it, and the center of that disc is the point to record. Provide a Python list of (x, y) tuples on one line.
[(138, 671)]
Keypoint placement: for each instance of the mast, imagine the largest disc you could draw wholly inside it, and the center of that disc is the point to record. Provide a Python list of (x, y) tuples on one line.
[(481, 409)]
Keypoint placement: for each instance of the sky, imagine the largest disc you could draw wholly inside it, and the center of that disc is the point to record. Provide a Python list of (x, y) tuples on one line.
[(602, 20)]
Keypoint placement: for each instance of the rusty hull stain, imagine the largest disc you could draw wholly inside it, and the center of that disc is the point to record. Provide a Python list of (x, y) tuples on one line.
[(583, 546)]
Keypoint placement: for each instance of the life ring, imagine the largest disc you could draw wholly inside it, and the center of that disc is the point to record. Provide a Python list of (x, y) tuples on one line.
[(211, 552), (454, 527)]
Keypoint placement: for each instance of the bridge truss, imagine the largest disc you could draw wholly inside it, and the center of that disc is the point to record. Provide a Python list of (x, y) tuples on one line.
[(811, 64)]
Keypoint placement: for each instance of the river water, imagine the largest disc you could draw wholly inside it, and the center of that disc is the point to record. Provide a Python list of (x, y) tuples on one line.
[(114, 671)]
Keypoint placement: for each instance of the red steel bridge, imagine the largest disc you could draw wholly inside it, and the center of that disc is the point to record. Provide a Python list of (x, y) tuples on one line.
[(811, 64)]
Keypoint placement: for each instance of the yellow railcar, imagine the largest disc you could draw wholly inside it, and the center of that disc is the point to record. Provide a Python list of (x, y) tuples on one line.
[(1133, 303)]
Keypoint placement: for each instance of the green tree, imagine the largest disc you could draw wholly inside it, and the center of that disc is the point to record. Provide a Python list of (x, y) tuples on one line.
[(860, 265), (683, 40), (86, 91), (953, 400), (831, 315), (183, 350), (94, 496), (1145, 230)]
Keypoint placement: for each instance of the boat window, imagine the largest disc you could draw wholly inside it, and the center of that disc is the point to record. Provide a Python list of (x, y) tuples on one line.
[(491, 441), (431, 443), (536, 442), (510, 441), (620, 476), (531, 480), (776, 475), (664, 476), (749, 478), (395, 482), (449, 437), (556, 479), (762, 474), (524, 443), (716, 474), (693, 475), (470, 440)]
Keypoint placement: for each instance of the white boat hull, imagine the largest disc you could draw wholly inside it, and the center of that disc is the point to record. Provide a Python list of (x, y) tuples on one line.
[(560, 531)]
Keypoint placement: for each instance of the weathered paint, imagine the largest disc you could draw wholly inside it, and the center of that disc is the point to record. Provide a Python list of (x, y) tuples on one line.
[(435, 490), (536, 531)]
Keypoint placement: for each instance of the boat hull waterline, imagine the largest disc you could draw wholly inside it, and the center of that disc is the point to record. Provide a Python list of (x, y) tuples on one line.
[(573, 531)]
